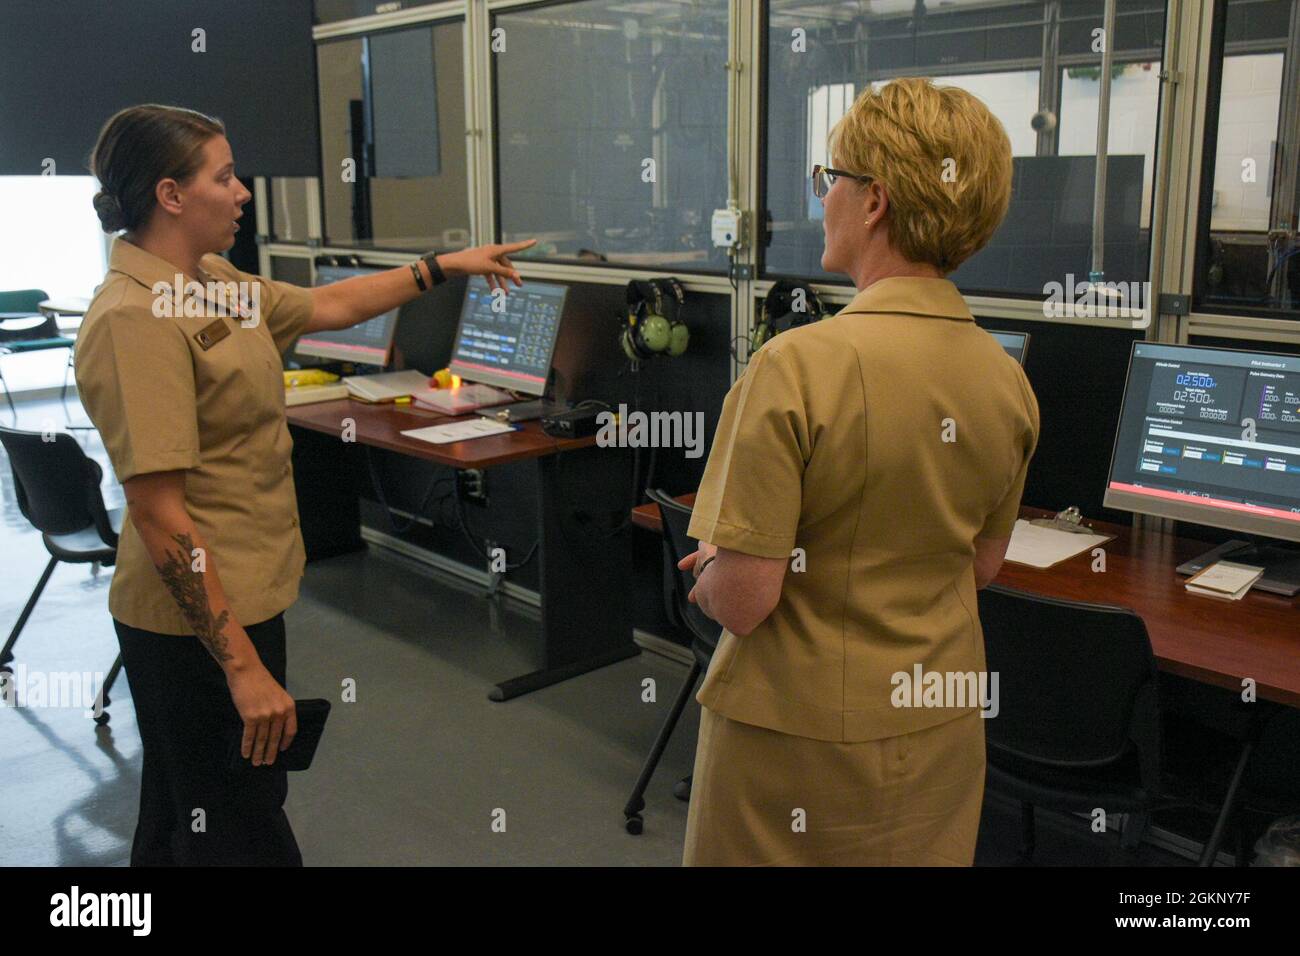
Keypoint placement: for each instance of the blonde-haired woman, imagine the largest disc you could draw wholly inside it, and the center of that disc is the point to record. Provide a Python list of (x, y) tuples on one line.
[(889, 444)]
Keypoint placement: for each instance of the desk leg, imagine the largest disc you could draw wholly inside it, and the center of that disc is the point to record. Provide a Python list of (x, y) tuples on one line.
[(329, 511), (584, 577)]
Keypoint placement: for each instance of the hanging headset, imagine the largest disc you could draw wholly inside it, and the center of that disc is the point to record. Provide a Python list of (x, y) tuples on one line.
[(786, 306), (653, 324)]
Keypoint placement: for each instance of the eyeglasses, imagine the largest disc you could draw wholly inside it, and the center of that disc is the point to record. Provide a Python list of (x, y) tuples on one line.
[(823, 178)]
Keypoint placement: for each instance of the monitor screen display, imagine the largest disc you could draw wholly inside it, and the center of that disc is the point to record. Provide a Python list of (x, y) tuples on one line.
[(1015, 343), (367, 343), (1210, 436), (508, 340)]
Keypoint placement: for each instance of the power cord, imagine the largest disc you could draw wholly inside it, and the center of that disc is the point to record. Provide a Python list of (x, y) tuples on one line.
[(419, 512), (473, 541), (462, 523)]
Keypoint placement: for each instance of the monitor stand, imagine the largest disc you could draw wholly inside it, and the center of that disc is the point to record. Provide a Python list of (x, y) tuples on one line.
[(523, 411), (1281, 564), (529, 409)]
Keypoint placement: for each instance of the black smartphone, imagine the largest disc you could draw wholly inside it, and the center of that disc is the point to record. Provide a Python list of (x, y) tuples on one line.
[(311, 724)]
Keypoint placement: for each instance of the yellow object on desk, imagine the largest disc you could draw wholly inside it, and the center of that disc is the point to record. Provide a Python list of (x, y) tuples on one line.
[(309, 385), (297, 378)]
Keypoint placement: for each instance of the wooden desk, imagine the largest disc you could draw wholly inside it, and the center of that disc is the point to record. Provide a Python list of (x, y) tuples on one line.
[(647, 515), (580, 634), (381, 426), (1204, 639)]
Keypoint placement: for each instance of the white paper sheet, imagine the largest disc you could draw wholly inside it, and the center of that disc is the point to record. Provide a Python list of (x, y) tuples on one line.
[(459, 431), (1041, 547)]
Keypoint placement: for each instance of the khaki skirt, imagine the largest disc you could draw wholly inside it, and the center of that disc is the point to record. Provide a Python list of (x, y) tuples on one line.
[(760, 797)]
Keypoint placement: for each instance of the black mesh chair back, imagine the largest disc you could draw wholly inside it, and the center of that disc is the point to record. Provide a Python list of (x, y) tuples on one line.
[(1076, 682), (676, 519), (56, 484)]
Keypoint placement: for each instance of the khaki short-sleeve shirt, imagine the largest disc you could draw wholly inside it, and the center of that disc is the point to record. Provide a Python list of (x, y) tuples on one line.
[(177, 379), (881, 442)]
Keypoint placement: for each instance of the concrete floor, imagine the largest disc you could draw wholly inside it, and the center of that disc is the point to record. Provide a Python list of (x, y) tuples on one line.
[(414, 771)]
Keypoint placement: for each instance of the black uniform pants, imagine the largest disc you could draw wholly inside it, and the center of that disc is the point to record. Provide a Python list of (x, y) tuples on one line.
[(194, 810)]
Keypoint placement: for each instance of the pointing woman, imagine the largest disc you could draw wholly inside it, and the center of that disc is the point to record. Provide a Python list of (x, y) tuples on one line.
[(191, 412)]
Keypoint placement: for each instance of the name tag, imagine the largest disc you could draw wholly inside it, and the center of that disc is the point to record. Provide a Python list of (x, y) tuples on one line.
[(211, 334)]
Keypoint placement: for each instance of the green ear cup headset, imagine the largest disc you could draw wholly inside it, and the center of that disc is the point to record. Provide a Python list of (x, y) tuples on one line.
[(786, 306), (653, 325)]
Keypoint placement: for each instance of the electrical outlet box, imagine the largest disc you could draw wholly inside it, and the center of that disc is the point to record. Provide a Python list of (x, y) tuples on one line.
[(728, 228)]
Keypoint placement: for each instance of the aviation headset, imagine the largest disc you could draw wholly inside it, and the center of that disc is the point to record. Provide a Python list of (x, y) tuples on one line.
[(653, 324), (779, 313)]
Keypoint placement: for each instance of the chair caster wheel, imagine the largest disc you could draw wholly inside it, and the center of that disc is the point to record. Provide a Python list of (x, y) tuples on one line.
[(634, 824), (102, 719)]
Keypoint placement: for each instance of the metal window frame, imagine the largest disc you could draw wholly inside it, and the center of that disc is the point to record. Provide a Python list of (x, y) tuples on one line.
[(1248, 324), (383, 21), (1185, 56), (433, 14)]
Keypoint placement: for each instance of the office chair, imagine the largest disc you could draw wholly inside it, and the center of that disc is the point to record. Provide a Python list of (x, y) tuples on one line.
[(20, 333), (1079, 721), (704, 641), (57, 488)]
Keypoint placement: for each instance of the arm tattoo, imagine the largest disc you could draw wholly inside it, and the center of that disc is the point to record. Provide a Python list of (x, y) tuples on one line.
[(188, 591)]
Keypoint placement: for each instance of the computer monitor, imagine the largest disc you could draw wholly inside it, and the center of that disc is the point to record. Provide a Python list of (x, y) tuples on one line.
[(509, 345), (1015, 343), (1212, 436), (368, 343)]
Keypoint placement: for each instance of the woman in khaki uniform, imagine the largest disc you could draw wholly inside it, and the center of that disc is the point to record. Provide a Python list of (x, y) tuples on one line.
[(885, 448), (179, 366)]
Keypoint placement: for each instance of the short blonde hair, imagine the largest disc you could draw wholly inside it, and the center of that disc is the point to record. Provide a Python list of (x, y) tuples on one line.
[(944, 160)]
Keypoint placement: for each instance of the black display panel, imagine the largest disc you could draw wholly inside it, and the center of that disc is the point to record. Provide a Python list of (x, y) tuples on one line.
[(1211, 435), (67, 65)]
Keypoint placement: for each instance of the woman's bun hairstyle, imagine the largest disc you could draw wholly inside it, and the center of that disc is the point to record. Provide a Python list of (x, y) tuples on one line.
[(138, 147), (109, 210)]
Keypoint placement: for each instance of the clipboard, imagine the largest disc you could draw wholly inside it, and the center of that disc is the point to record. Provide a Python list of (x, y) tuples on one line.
[(1046, 542)]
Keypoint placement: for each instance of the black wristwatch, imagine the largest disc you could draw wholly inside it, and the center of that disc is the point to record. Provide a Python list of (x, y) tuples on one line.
[(435, 271)]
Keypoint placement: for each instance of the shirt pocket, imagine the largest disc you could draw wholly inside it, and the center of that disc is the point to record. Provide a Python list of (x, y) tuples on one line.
[(239, 386)]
